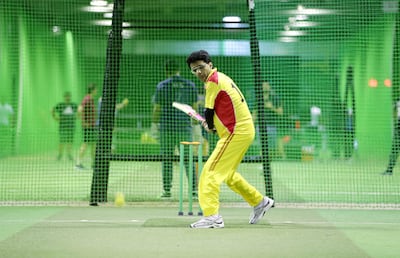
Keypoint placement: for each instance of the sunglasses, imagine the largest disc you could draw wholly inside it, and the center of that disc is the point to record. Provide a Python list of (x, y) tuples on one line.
[(196, 69)]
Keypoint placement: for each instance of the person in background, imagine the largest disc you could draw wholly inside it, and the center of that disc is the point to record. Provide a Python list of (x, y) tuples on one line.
[(6, 129), (227, 114), (65, 114), (273, 111), (172, 125), (395, 141), (87, 114)]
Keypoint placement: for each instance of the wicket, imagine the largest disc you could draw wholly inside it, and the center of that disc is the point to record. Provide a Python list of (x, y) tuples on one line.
[(190, 174)]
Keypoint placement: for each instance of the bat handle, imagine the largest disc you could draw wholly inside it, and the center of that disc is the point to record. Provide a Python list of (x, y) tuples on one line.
[(205, 125)]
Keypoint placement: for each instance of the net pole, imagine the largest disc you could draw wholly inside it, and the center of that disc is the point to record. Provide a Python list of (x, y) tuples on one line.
[(255, 60), (107, 110)]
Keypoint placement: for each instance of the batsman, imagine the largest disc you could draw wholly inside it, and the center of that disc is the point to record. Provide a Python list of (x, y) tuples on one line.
[(227, 114)]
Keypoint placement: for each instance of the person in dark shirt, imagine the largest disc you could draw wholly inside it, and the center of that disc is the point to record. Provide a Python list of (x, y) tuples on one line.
[(173, 125), (65, 114)]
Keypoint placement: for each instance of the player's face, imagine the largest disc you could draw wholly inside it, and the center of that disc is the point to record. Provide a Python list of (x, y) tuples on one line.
[(201, 69), (67, 98)]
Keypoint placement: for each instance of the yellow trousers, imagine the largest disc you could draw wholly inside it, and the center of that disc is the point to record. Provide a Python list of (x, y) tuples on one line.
[(221, 167)]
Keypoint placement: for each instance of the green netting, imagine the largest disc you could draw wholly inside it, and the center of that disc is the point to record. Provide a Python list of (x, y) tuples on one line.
[(333, 67)]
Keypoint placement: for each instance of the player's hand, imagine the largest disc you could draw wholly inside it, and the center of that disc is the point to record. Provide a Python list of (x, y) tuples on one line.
[(125, 101), (205, 125)]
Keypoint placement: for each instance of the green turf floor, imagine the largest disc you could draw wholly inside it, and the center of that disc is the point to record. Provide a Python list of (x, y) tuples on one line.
[(146, 231)]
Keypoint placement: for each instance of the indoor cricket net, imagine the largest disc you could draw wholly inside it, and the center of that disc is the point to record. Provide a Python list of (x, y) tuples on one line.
[(325, 74)]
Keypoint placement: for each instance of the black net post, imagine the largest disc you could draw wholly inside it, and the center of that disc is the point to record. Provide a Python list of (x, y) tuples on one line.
[(255, 60), (107, 110)]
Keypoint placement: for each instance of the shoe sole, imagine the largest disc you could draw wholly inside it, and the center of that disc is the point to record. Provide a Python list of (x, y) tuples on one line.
[(215, 225), (266, 208)]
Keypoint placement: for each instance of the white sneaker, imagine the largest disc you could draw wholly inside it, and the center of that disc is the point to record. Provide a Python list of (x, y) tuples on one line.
[(260, 210), (214, 221)]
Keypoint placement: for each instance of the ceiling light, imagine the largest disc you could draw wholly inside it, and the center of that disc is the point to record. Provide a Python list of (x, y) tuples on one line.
[(301, 17), (292, 33), (107, 15), (109, 23), (102, 22), (56, 29), (97, 9), (287, 39), (127, 34), (98, 3), (231, 19), (303, 24), (311, 11)]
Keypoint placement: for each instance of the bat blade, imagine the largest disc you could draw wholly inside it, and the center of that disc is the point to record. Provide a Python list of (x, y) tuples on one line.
[(187, 109)]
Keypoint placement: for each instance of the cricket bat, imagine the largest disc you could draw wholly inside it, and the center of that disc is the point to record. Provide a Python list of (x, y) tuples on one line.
[(187, 109)]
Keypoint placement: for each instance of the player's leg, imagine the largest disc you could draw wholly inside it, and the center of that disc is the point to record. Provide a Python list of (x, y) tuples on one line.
[(68, 143), (81, 155), (61, 139), (82, 149), (68, 149), (222, 163), (222, 166), (236, 150), (93, 152), (238, 184), (60, 151), (167, 148)]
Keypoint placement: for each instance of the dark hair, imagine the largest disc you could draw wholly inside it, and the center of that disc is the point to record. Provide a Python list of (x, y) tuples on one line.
[(198, 55), (91, 87), (171, 66)]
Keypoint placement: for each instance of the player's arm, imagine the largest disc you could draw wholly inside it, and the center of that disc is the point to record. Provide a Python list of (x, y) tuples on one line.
[(156, 113), (155, 120), (54, 114), (81, 115), (80, 111), (212, 91), (209, 116)]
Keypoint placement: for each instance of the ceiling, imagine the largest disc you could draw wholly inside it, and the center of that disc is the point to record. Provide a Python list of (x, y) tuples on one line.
[(153, 16)]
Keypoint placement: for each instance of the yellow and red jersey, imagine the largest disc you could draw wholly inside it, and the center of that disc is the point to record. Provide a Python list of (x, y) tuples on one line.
[(231, 113)]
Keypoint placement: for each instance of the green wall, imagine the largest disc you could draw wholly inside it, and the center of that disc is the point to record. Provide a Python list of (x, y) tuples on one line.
[(37, 66), (370, 53)]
